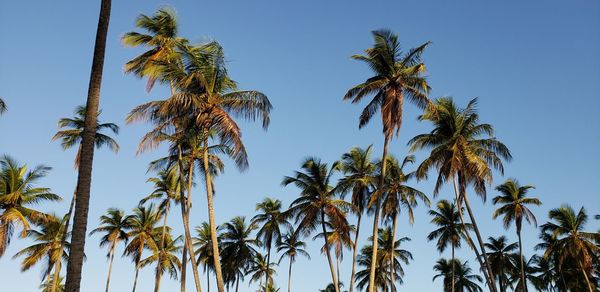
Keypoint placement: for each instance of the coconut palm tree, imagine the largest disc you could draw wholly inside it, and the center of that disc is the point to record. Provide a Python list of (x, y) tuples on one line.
[(114, 225), (394, 196), (531, 269), (260, 268), (291, 246), (547, 277), (165, 257), (337, 239), (3, 106), (270, 219), (332, 288), (18, 192), (142, 230), (88, 140), (514, 208), (501, 256), (464, 152), (458, 273), (48, 285), (203, 249), (572, 243), (317, 204), (48, 241), (449, 231), (396, 75), (239, 247), (359, 179)]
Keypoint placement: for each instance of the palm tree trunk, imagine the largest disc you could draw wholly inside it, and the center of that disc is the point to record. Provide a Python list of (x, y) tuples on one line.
[(158, 272), (376, 217), (501, 277), (453, 268), (84, 179), (211, 217), (290, 277), (392, 274), (587, 279), (489, 277), (57, 267), (268, 266), (207, 280), (354, 251), (137, 271), (158, 275), (237, 284), (522, 261), (184, 254), (64, 238), (186, 222), (333, 276), (188, 234), (110, 263)]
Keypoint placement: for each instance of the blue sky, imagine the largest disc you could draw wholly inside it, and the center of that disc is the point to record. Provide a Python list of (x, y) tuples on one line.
[(534, 65)]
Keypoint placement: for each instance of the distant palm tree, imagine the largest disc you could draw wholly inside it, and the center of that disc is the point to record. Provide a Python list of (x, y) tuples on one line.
[(457, 273), (239, 248), (396, 75), (359, 179), (114, 225), (291, 246), (337, 239), (572, 243), (547, 276), (272, 219), (268, 288), (203, 249), (464, 152), (514, 208), (501, 257), (48, 285), (165, 257), (48, 242), (317, 204), (18, 191), (396, 195), (331, 288), (531, 269), (3, 106), (260, 268), (142, 229), (449, 231)]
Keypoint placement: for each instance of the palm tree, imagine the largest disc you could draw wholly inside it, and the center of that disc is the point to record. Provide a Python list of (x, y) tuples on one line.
[(464, 152), (396, 195), (359, 179), (88, 140), (259, 268), (271, 217), (332, 287), (3, 106), (239, 248), (396, 75), (142, 229), (449, 231), (114, 225), (203, 249), (531, 269), (48, 285), (456, 273), (572, 244), (291, 246), (165, 257), (500, 254), (48, 242), (337, 239), (18, 191), (317, 202), (514, 208)]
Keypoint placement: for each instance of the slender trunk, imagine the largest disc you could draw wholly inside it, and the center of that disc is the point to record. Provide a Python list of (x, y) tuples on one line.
[(137, 271), (188, 234), (376, 217), (486, 274), (158, 275), (186, 223), (237, 284), (207, 280), (64, 239), (268, 266), (522, 261), (260, 285), (337, 267), (453, 268), (110, 263), (333, 276), (184, 254), (354, 251), (392, 281), (501, 276), (290, 277), (211, 217), (164, 227), (84, 179), (57, 267), (587, 279)]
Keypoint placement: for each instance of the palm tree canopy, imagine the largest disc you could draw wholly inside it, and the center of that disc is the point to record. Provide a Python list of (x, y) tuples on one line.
[(272, 219), (464, 279), (203, 246), (292, 246), (142, 229), (114, 225), (450, 230), (359, 176), (514, 203), (3, 106), (166, 256), (397, 75)]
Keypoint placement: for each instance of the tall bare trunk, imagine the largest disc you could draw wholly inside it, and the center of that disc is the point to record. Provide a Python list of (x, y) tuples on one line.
[(329, 260), (57, 267), (585, 276), (354, 251), (110, 263), (188, 234), (392, 250), (84, 179), (184, 254), (268, 266), (207, 279), (211, 217), (376, 216), (453, 268), (64, 238), (522, 260), (290, 277), (158, 274), (137, 272)]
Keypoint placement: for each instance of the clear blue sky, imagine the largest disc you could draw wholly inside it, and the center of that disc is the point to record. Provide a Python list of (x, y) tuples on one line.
[(534, 64)]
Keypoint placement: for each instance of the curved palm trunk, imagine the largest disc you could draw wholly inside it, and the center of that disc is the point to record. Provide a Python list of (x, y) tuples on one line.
[(354, 251), (587, 279), (329, 260), (112, 257), (184, 253), (63, 239), (522, 260), (186, 224), (290, 277), (453, 268), (57, 267), (137, 272), (376, 217), (188, 235), (84, 179), (392, 274), (211, 217)]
